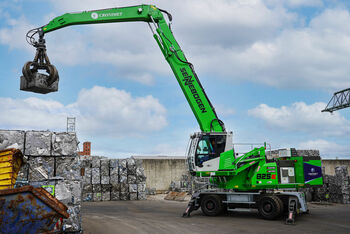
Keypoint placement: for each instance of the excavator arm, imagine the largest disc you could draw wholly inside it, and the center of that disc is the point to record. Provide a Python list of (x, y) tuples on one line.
[(183, 70)]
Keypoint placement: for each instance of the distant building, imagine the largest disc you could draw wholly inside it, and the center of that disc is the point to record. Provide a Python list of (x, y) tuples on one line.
[(86, 149)]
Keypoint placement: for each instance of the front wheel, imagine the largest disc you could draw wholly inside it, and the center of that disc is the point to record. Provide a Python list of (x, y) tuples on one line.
[(270, 207), (211, 205)]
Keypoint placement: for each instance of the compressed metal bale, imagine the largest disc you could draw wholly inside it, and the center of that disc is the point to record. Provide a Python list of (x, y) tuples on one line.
[(115, 196), (87, 197), (69, 191), (38, 143), (86, 163), (140, 175), (73, 223), (104, 167), (87, 175), (106, 196), (131, 164), (105, 180), (40, 168), (95, 162), (68, 167), (133, 196), (96, 188), (23, 173), (106, 192), (123, 170), (12, 139), (308, 153), (95, 176), (97, 197), (113, 163), (141, 187), (115, 188), (123, 178), (124, 196), (124, 188), (114, 175), (64, 143), (141, 196), (131, 179), (87, 188), (133, 188)]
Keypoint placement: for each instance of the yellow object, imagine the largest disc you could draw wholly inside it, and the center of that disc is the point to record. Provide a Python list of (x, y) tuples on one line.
[(11, 161)]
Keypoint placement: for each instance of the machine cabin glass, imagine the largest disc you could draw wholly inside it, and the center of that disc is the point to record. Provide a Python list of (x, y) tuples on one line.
[(209, 147)]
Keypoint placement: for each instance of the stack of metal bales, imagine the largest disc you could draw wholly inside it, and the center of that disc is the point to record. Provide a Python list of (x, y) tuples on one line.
[(52, 163), (336, 189), (113, 179)]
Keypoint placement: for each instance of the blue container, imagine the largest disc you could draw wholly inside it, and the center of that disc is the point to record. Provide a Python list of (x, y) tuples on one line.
[(29, 210)]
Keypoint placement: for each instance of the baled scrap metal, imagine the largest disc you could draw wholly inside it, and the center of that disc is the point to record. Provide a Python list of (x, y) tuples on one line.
[(69, 191), (96, 197), (73, 223), (87, 197), (131, 179), (64, 143), (132, 196), (141, 188), (141, 196), (40, 168), (133, 188), (95, 176), (68, 167), (12, 139), (106, 192), (95, 162), (114, 175), (114, 163), (85, 163), (87, 175), (38, 143), (97, 188), (140, 175), (23, 173), (124, 187), (104, 171), (308, 153), (87, 188), (97, 192), (115, 196), (124, 196), (105, 180), (131, 165)]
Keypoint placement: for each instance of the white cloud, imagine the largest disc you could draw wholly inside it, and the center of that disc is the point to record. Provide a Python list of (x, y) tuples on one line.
[(327, 149), (253, 41), (301, 3), (99, 111), (300, 117)]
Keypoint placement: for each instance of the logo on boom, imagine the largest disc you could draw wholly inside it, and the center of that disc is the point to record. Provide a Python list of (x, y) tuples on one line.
[(189, 82)]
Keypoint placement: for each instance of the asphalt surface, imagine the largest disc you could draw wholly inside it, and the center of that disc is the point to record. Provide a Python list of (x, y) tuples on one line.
[(165, 217)]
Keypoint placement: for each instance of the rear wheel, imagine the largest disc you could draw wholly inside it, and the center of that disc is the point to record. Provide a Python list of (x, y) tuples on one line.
[(270, 207), (211, 205)]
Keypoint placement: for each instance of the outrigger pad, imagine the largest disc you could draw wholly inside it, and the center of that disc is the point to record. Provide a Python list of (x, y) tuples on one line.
[(38, 84)]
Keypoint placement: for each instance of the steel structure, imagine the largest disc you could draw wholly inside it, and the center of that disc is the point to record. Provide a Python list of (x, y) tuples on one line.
[(340, 100)]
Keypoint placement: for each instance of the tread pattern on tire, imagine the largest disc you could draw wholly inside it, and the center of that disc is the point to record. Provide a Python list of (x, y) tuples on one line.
[(278, 204)]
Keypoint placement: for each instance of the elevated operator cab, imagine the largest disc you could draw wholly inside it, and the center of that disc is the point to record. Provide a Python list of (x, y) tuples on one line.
[(204, 150)]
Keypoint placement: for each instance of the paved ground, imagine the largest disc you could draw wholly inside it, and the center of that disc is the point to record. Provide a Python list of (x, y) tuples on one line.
[(153, 216)]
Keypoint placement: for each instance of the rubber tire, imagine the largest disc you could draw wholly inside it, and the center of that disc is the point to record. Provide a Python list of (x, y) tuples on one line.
[(211, 205), (274, 204)]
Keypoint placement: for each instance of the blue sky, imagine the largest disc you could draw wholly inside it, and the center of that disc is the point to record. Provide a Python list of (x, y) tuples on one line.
[(269, 67)]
